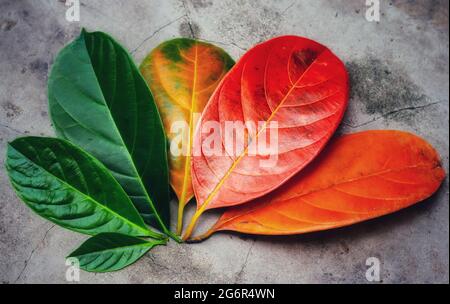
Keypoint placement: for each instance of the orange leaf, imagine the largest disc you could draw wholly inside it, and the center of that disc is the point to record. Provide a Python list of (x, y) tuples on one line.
[(357, 177)]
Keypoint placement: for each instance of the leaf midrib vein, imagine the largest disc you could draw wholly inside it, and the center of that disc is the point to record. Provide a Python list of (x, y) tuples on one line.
[(187, 162)]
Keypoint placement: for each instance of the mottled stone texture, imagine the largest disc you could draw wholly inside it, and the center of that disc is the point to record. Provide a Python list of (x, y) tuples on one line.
[(399, 70)]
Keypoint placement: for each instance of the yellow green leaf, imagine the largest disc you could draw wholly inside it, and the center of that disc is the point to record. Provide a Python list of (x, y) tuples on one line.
[(182, 74)]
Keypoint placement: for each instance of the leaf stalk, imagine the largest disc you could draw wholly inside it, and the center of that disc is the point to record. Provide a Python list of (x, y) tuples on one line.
[(193, 223), (180, 218)]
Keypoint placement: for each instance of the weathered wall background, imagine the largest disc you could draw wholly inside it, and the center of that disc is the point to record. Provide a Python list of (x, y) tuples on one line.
[(399, 69)]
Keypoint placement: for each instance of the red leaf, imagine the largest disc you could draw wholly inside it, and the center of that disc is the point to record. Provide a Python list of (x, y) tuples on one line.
[(356, 178), (293, 81)]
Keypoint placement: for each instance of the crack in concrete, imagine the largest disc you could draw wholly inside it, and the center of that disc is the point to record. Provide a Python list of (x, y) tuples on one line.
[(152, 259), (233, 44), (12, 129), (236, 45), (244, 265), (385, 115), (187, 13), (32, 253), (287, 8), (191, 29), (156, 32)]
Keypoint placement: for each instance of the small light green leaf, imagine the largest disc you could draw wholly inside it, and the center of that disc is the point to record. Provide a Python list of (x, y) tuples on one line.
[(107, 252), (67, 186)]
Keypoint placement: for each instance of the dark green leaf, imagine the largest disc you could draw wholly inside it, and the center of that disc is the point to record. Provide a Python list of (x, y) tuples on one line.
[(67, 186), (99, 101), (111, 251)]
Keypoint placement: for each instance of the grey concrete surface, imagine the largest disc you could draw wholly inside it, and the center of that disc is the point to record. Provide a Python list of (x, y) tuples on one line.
[(399, 69)]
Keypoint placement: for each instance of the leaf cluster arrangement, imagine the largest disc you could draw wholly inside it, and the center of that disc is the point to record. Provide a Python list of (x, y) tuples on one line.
[(109, 173)]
